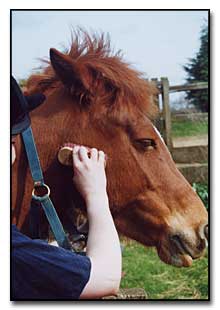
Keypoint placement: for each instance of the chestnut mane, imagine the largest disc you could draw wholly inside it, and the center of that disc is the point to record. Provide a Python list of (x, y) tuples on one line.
[(104, 77)]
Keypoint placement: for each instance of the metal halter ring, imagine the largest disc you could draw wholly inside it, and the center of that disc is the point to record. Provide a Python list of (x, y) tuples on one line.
[(40, 192)]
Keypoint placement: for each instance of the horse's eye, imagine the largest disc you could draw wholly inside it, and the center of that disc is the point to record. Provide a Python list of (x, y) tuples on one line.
[(146, 144)]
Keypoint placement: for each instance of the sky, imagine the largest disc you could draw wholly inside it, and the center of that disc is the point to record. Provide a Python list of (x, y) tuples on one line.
[(157, 43)]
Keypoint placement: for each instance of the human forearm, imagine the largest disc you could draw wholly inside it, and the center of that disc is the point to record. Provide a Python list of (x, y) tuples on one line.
[(103, 247), (103, 238)]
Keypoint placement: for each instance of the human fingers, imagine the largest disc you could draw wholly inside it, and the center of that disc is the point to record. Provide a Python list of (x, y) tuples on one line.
[(75, 155), (101, 157), (94, 154), (83, 154)]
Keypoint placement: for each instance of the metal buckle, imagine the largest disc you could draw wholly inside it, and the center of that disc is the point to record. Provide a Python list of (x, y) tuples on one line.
[(41, 191)]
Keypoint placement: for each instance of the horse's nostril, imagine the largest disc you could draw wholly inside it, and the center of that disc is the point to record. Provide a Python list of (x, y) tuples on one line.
[(202, 245), (206, 231), (175, 237)]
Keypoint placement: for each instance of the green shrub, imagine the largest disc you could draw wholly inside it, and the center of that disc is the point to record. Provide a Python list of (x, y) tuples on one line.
[(202, 191)]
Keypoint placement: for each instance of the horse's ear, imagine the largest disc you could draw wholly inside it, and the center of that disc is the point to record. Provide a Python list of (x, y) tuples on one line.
[(65, 69)]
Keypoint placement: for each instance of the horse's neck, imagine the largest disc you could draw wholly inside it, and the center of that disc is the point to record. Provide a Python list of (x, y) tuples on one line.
[(19, 189)]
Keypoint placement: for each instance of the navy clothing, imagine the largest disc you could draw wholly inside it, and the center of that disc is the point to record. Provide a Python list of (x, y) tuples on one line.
[(43, 271)]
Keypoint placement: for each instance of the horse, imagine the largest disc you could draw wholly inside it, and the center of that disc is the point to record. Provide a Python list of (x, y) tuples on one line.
[(95, 98)]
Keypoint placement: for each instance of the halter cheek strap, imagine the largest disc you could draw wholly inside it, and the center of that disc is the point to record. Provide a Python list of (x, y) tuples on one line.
[(41, 194)]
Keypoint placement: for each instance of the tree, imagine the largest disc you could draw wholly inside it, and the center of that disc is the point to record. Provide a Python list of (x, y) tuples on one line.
[(197, 71)]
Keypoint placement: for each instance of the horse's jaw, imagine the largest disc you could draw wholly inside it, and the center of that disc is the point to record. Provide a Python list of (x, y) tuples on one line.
[(174, 247)]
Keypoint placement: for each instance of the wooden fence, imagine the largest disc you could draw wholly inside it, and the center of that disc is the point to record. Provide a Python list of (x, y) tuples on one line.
[(164, 90), (192, 160)]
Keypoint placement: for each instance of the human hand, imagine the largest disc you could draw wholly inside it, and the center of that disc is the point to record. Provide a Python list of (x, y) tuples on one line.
[(89, 172)]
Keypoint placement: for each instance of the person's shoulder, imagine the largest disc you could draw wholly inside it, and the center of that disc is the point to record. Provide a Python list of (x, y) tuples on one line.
[(17, 237), (14, 228)]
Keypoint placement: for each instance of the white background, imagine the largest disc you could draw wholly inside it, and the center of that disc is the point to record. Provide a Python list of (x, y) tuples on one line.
[(5, 7)]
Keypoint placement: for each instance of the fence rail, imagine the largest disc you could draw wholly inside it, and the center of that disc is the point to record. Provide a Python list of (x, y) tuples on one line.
[(182, 87), (190, 116), (185, 87)]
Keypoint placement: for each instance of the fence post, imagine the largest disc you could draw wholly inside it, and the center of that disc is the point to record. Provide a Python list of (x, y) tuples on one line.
[(157, 121), (155, 81), (166, 112)]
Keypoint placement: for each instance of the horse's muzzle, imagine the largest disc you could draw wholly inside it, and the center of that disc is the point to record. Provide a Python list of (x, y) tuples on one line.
[(194, 247)]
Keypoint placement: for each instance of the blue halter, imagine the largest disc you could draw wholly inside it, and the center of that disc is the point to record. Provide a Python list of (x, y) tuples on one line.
[(41, 194)]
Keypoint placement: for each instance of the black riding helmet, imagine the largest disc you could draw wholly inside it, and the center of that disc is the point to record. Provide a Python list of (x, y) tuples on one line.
[(21, 106)]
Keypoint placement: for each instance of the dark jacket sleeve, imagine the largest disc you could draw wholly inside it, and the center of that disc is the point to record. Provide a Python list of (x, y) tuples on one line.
[(45, 272)]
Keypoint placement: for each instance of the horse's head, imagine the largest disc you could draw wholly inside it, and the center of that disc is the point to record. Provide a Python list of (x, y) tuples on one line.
[(95, 99)]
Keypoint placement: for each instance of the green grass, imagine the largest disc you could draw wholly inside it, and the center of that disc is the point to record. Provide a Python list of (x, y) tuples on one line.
[(143, 269), (189, 128)]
